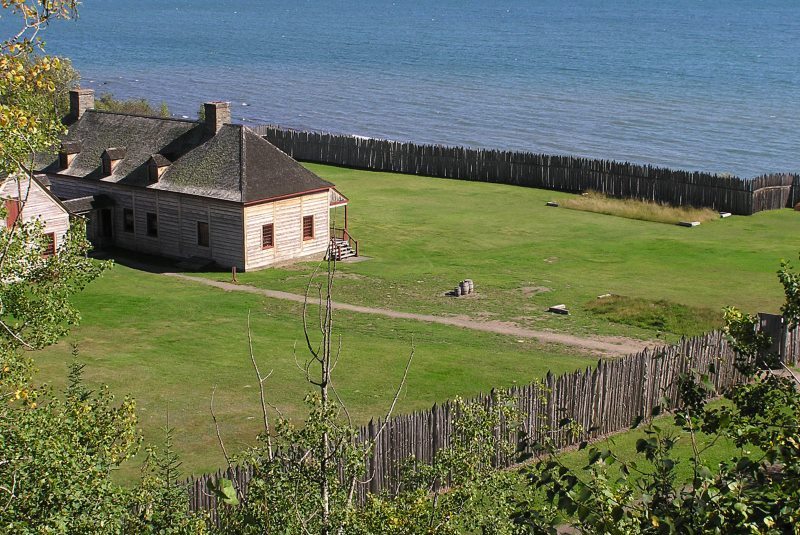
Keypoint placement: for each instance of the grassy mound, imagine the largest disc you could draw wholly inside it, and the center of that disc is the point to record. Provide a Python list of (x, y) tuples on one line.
[(661, 315), (636, 209)]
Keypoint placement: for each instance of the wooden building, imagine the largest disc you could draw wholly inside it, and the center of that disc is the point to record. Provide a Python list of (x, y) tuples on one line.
[(27, 199), (190, 189)]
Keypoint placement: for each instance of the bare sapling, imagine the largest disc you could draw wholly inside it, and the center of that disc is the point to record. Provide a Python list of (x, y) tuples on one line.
[(305, 478)]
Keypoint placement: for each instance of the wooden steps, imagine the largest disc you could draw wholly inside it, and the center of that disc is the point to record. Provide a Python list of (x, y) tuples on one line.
[(340, 249)]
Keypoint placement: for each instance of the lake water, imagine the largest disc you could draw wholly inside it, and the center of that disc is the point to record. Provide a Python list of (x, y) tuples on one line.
[(696, 84)]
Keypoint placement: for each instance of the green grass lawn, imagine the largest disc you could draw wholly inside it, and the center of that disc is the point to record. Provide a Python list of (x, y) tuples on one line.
[(168, 342), (424, 235)]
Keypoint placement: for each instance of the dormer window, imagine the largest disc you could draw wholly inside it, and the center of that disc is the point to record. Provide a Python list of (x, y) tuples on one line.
[(156, 166), (111, 157), (67, 153)]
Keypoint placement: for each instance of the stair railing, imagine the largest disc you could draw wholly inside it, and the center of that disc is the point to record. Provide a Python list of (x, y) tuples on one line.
[(344, 234)]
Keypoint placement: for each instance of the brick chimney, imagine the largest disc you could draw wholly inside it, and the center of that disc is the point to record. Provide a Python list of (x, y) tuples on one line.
[(80, 100), (217, 114)]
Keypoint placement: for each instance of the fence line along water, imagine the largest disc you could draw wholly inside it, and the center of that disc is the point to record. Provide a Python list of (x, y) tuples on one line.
[(553, 172), (604, 399)]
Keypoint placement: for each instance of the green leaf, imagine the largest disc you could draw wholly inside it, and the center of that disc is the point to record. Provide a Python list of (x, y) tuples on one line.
[(224, 491)]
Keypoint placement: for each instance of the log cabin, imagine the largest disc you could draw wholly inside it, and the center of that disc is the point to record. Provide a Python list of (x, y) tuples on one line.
[(204, 190)]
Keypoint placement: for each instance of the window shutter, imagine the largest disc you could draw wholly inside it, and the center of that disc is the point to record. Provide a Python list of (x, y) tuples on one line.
[(12, 212), (50, 244), (308, 227), (267, 236)]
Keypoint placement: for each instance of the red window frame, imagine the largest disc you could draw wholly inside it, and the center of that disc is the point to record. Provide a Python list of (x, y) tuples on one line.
[(308, 227), (50, 245), (268, 236), (12, 212)]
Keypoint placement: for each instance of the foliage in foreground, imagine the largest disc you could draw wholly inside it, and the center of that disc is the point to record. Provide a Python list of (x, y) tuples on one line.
[(756, 491), (56, 453)]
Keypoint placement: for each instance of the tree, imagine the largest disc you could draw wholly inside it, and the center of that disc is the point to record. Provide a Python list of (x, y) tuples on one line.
[(28, 120), (159, 504), (57, 454), (134, 106), (306, 474), (755, 491)]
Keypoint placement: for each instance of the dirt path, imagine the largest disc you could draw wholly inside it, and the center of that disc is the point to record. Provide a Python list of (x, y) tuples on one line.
[(602, 345)]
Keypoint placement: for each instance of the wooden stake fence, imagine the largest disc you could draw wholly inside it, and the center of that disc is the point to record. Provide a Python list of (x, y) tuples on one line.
[(605, 399), (553, 172)]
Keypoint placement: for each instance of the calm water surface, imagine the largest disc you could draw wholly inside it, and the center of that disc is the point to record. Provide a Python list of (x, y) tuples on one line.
[(697, 84)]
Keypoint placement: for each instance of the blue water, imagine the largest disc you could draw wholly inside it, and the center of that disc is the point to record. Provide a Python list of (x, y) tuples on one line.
[(702, 85)]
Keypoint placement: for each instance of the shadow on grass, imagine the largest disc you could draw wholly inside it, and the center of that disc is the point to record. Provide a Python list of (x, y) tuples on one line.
[(152, 263)]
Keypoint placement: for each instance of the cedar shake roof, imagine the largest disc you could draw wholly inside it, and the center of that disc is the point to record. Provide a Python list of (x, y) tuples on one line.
[(115, 153), (160, 160), (71, 147), (235, 164)]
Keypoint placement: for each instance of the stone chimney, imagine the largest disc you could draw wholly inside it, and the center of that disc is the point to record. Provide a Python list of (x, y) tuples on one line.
[(80, 100), (217, 114)]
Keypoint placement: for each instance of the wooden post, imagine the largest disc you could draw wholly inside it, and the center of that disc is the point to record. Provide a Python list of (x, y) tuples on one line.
[(233, 275), (345, 219)]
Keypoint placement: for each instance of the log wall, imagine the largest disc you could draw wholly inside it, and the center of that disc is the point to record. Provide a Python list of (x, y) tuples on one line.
[(604, 399), (553, 172)]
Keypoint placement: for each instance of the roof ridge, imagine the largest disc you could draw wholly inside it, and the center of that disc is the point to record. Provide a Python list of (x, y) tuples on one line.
[(142, 116), (242, 164)]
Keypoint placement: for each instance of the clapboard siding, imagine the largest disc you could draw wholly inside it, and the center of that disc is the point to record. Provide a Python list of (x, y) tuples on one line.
[(177, 220), (38, 204), (256, 217), (226, 228), (126, 240), (318, 206), (192, 211), (287, 217), (169, 225), (145, 204)]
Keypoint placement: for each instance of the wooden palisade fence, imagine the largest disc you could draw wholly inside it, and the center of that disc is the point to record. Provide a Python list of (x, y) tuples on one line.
[(562, 173), (604, 399)]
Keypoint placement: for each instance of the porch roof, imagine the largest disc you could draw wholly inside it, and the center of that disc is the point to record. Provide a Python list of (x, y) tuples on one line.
[(84, 205)]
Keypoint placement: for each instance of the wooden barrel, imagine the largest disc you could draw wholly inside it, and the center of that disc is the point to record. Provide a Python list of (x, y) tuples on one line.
[(457, 291), (464, 287), (470, 286)]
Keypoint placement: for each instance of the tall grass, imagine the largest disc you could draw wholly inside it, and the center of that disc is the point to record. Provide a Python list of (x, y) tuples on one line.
[(661, 315), (636, 209)]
